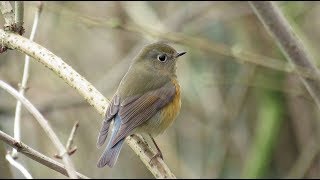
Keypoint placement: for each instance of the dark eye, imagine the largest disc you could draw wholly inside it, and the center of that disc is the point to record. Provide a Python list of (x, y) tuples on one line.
[(162, 57)]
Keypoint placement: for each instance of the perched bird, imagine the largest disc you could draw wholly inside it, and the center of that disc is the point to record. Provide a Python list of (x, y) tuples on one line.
[(146, 101)]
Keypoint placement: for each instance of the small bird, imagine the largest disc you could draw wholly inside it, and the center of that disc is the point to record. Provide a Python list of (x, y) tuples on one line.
[(147, 100)]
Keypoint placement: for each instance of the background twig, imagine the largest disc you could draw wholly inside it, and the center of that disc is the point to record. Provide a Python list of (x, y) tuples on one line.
[(45, 125), (72, 134), (69, 147), (199, 43), (17, 165), (25, 76), (273, 20), (35, 155)]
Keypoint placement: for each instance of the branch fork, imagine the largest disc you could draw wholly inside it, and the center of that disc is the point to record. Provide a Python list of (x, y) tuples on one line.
[(70, 150)]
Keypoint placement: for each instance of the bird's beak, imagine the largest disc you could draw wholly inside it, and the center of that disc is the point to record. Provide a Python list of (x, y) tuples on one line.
[(180, 54)]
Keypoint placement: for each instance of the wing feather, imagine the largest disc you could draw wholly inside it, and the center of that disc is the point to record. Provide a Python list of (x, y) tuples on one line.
[(112, 110), (142, 108)]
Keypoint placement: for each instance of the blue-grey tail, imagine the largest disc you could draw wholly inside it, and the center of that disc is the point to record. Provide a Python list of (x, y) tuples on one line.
[(110, 155)]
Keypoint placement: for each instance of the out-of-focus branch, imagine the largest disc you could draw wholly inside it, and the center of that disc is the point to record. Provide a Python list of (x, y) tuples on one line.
[(306, 135), (275, 22), (194, 42), (25, 76), (45, 125), (35, 155), (188, 13), (18, 16), (159, 169), (17, 165), (304, 161)]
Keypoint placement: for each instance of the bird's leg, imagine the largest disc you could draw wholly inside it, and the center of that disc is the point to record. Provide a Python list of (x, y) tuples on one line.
[(159, 153)]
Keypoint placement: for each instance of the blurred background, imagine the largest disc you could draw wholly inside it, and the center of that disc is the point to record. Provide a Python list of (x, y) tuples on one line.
[(244, 113)]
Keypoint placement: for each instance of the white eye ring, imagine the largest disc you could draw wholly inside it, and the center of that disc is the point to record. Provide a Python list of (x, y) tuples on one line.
[(162, 57)]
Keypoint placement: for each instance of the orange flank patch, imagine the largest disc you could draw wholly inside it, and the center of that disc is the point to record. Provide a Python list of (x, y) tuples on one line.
[(170, 111)]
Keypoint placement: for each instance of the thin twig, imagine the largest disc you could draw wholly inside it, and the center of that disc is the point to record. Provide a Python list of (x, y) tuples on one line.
[(17, 165), (276, 23), (35, 155), (86, 90), (70, 149), (18, 16), (72, 134), (23, 86), (45, 125)]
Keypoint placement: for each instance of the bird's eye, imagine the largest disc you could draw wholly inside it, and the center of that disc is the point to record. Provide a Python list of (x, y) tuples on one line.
[(162, 57)]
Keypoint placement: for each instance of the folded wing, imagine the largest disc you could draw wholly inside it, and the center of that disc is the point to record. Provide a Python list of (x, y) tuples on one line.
[(138, 109)]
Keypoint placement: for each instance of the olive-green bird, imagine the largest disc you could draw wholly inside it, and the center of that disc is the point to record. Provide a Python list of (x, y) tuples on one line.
[(146, 101)]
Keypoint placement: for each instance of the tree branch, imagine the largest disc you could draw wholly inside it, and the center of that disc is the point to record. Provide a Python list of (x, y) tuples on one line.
[(69, 147), (17, 165), (35, 155), (275, 22), (7, 12), (46, 127), (86, 90), (18, 16), (72, 134), (25, 76)]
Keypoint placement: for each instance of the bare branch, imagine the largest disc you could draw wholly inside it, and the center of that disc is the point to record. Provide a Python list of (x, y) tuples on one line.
[(72, 134), (85, 89), (275, 22), (35, 155), (25, 77), (18, 16), (8, 15), (45, 125), (70, 149), (158, 168), (7, 12), (17, 165)]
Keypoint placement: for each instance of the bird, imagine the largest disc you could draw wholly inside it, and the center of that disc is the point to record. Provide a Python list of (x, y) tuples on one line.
[(147, 101)]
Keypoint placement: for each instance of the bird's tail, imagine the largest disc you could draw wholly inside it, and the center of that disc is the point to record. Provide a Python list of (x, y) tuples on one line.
[(110, 155)]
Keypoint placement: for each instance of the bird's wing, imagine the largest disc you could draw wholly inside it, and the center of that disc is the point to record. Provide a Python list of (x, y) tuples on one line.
[(138, 109), (112, 110)]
